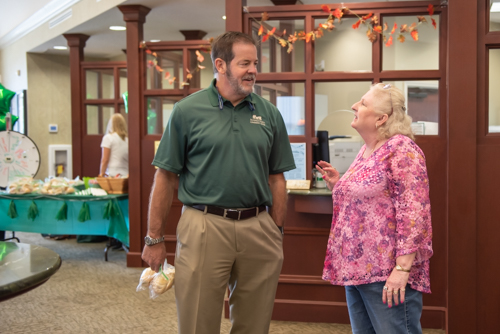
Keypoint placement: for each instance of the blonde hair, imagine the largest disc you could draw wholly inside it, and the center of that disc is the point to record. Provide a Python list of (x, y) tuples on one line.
[(390, 100), (118, 124)]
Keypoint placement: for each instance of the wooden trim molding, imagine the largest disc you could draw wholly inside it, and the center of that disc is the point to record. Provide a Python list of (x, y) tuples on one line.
[(135, 16), (76, 43)]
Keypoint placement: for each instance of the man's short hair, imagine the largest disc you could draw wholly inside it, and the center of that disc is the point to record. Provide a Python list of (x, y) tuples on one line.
[(222, 46)]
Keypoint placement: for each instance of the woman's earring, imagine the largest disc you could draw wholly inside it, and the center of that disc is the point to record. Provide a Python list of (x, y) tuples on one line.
[(376, 126)]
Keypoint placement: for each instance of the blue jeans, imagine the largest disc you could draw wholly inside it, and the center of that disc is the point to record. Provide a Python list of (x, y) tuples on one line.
[(370, 315)]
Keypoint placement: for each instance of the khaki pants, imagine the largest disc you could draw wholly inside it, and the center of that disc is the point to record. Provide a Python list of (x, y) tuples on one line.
[(213, 252)]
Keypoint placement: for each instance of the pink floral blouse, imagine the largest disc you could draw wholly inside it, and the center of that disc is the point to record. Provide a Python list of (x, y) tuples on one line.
[(381, 210)]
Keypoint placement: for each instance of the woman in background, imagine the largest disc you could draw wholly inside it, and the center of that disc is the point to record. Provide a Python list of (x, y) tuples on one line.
[(381, 236), (114, 159)]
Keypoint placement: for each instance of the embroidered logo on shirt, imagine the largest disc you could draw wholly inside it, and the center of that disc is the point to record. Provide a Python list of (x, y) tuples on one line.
[(257, 120)]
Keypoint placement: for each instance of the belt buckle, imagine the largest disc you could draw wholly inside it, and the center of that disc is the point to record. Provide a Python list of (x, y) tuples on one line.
[(231, 210)]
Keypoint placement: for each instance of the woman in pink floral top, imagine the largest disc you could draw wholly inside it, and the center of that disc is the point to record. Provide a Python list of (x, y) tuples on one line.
[(381, 236)]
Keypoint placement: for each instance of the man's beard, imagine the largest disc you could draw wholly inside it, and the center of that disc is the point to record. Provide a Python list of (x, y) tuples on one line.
[(238, 88)]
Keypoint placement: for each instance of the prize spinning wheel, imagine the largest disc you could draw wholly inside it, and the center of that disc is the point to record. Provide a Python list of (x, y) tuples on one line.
[(19, 156)]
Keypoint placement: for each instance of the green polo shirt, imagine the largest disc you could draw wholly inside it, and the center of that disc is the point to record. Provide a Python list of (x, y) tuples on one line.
[(224, 154)]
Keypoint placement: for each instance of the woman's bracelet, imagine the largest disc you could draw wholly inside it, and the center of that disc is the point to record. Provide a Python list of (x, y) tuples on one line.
[(399, 268)]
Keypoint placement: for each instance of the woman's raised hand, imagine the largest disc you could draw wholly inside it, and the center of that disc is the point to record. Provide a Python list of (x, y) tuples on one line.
[(330, 174)]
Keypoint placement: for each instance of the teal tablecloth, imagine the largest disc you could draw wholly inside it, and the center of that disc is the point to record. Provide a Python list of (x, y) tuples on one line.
[(107, 215)]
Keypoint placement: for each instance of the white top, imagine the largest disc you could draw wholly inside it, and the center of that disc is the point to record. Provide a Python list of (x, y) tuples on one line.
[(118, 158)]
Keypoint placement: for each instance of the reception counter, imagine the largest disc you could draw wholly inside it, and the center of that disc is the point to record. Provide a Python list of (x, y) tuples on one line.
[(66, 214)]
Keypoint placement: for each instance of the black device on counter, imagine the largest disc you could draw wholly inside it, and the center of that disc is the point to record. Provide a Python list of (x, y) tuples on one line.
[(321, 150)]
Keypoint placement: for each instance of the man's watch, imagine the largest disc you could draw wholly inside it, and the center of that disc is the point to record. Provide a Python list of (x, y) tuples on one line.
[(150, 241)]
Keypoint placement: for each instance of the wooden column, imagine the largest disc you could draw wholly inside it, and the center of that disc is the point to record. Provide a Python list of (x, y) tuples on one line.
[(135, 16), (76, 43), (234, 15), (462, 167)]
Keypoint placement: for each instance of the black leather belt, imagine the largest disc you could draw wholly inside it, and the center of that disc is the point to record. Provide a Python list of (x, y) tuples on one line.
[(231, 213)]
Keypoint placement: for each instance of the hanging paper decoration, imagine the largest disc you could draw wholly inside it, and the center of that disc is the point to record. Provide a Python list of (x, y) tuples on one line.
[(32, 211), (109, 210), (84, 213), (12, 213), (62, 214), (5, 99)]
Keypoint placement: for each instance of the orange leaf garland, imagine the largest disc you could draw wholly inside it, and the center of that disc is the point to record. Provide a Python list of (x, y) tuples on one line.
[(199, 56), (265, 37), (292, 38), (261, 30), (290, 48), (159, 69), (308, 37), (378, 29), (394, 28), (189, 76), (389, 41), (338, 13), (385, 26), (171, 80), (148, 51), (356, 25), (264, 16), (282, 42), (366, 17), (401, 38), (430, 9), (421, 19), (433, 22), (372, 37), (270, 33), (167, 75), (201, 67), (414, 34), (326, 9)]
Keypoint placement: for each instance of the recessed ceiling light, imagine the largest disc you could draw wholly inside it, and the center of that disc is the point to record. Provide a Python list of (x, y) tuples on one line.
[(223, 17), (117, 28), (495, 7), (60, 47), (154, 40)]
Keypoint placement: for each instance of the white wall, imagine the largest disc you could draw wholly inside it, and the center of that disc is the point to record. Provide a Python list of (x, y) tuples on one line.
[(13, 56)]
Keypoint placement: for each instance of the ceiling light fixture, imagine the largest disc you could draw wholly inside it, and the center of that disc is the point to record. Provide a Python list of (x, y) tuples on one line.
[(154, 40), (495, 7), (223, 17), (117, 28), (61, 47)]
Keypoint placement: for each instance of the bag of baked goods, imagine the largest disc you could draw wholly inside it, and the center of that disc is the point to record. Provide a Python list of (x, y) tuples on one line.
[(157, 282), (146, 278), (162, 280)]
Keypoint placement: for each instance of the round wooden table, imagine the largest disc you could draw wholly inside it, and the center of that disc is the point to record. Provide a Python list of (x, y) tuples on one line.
[(24, 267)]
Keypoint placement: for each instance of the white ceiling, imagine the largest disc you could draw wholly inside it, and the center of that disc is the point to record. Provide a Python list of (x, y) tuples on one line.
[(165, 20)]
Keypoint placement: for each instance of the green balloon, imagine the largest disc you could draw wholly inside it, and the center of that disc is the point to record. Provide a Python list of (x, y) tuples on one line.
[(5, 97), (125, 101), (2, 122)]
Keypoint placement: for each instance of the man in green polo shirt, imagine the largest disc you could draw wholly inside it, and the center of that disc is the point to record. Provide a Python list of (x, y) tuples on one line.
[(228, 148)]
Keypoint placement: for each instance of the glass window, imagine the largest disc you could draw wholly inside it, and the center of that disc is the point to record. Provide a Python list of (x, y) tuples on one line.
[(201, 77), (171, 64), (100, 84), (289, 98), (412, 55), (494, 15), (97, 118), (494, 88), (342, 49), (332, 106), (123, 81), (422, 104), (158, 113), (272, 56)]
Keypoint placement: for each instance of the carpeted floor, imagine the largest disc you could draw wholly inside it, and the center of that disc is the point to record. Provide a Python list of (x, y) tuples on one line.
[(89, 295)]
